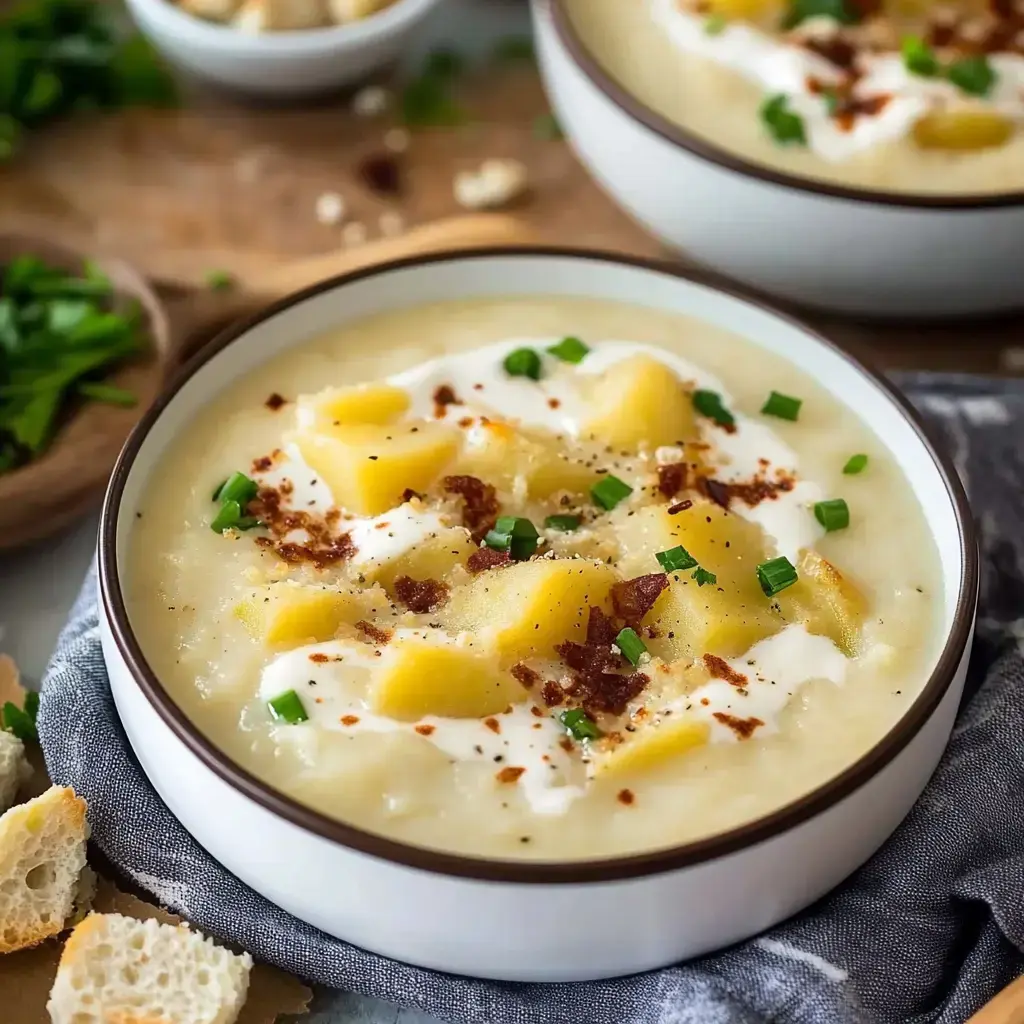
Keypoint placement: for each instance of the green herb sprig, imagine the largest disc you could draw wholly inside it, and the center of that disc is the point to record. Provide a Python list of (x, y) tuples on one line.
[(21, 721), (60, 333)]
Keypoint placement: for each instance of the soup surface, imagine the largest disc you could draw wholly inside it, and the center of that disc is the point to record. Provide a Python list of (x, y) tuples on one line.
[(535, 578), (905, 96)]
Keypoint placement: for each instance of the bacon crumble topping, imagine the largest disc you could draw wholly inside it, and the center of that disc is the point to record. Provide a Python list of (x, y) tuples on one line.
[(721, 669), (374, 633), (479, 503), (633, 599), (509, 774), (743, 727), (420, 595), (443, 397), (487, 558)]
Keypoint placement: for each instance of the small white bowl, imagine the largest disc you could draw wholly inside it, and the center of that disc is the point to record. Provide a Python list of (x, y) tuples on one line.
[(881, 254), (521, 920), (279, 64)]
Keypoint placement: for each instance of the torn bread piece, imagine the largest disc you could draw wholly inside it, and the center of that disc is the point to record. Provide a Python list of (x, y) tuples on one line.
[(42, 858), (117, 968), (14, 768)]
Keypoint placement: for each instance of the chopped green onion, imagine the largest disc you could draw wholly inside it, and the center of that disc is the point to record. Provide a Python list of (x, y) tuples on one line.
[(238, 487), (632, 647), (523, 362), (217, 490), (714, 25), (702, 576), (833, 514), (776, 574), (783, 125), (108, 393), (973, 75), (837, 10), (609, 491), (515, 535), (564, 524), (675, 559), (569, 350), (784, 407), (227, 518), (546, 128), (219, 281), (579, 724), (709, 403), (855, 464), (919, 58), (288, 708)]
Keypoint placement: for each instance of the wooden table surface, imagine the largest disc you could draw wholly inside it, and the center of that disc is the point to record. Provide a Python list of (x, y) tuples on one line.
[(217, 184)]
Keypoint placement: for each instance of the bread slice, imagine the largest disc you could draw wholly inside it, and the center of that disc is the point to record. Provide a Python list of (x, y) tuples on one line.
[(42, 856), (14, 768), (119, 969)]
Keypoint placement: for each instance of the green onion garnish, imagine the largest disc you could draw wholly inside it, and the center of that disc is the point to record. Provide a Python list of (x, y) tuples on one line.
[(837, 10), (219, 281), (238, 487), (108, 393), (632, 647), (609, 491), (564, 524), (569, 350), (702, 576), (855, 464), (523, 362), (973, 75), (515, 535), (675, 559), (783, 125), (714, 25), (919, 58), (833, 514), (709, 403), (776, 574), (579, 724), (288, 708), (784, 407), (230, 517)]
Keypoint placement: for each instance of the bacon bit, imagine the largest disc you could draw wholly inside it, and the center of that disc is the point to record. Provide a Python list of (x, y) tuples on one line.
[(850, 109), (679, 506), (717, 491), (262, 464), (425, 730), (705, 701), (633, 599), (672, 479), (567, 744), (600, 629), (625, 796), (487, 558), (420, 595), (750, 492), (743, 727), (526, 675), (349, 719), (536, 711), (552, 694), (466, 421), (509, 774), (319, 658), (444, 396), (322, 549), (840, 52), (480, 503), (374, 633), (553, 403), (493, 724), (275, 401), (478, 387), (607, 693), (721, 669)]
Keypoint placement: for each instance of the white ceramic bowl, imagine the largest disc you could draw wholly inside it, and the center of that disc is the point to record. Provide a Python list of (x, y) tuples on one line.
[(521, 920), (279, 64), (850, 250)]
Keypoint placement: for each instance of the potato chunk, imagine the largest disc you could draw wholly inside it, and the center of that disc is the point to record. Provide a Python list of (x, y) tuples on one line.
[(640, 401), (962, 130), (421, 676), (652, 745), (826, 601), (431, 559), (377, 404), (290, 613), (725, 618), (744, 10), (368, 468), (532, 606)]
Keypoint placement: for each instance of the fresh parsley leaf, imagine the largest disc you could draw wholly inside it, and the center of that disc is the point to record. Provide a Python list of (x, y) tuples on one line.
[(785, 127), (702, 576), (109, 394), (22, 722)]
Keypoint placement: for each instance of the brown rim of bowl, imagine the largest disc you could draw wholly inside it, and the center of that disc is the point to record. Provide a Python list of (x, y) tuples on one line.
[(706, 150), (544, 872)]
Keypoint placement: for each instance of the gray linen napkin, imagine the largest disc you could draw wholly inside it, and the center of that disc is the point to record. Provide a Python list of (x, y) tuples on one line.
[(928, 930)]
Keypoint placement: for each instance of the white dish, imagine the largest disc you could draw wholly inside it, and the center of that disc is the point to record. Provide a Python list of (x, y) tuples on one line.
[(535, 920), (279, 64), (852, 250)]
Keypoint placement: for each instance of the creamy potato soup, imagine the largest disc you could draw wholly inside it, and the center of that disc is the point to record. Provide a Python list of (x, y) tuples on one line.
[(538, 579), (903, 96)]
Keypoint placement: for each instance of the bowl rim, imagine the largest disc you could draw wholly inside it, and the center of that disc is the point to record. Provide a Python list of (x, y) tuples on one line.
[(630, 866), (295, 42), (708, 151)]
